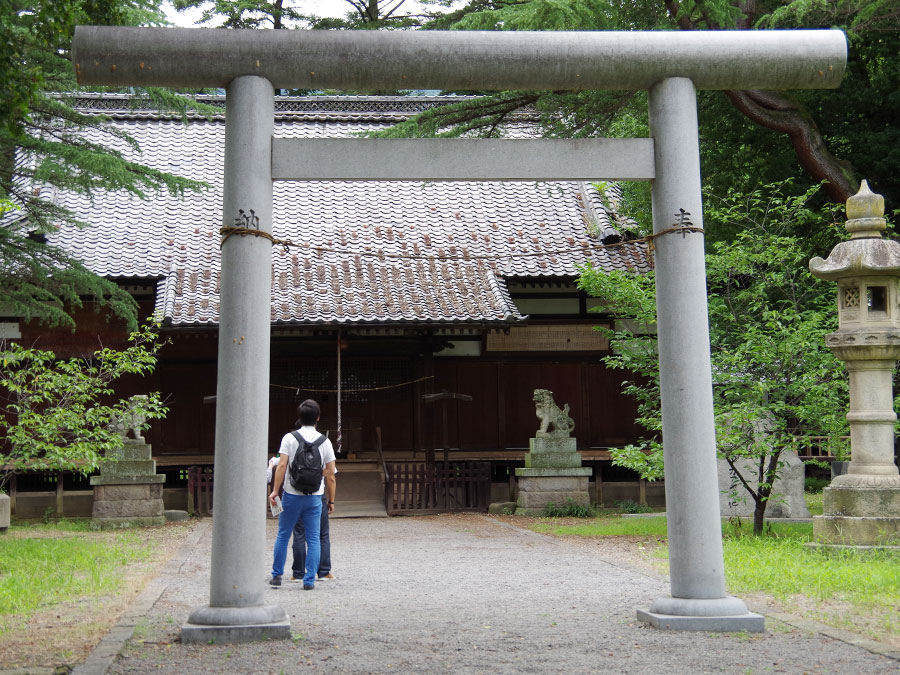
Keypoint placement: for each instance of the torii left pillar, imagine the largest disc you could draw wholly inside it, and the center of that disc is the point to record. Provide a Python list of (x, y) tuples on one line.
[(236, 611)]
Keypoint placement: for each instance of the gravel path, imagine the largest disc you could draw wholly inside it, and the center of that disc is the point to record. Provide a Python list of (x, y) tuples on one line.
[(470, 594)]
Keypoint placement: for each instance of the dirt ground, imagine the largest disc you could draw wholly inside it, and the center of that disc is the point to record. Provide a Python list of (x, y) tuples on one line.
[(64, 635)]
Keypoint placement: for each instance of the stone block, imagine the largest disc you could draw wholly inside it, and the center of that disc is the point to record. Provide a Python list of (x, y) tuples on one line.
[(176, 515), (862, 501), (856, 531), (118, 523), (127, 480), (540, 499), (132, 451), (549, 444), (554, 483), (128, 508), (129, 467), (552, 460), (532, 472), (787, 500), (117, 492)]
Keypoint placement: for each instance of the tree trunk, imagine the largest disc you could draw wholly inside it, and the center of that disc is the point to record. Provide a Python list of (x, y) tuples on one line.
[(759, 516), (776, 111)]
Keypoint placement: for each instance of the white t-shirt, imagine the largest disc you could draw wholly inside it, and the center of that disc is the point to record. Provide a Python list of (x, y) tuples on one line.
[(289, 446)]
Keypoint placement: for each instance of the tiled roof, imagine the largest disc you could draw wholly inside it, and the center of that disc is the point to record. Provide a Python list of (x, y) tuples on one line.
[(366, 252)]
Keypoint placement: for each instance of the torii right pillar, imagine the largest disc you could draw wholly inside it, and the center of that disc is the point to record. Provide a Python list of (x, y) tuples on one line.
[(696, 566)]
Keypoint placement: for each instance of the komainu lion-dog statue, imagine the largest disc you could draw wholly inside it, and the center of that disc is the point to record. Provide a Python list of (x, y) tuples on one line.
[(131, 420), (551, 415)]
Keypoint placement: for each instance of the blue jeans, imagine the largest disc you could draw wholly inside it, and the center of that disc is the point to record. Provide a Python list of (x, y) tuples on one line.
[(305, 508), (299, 544)]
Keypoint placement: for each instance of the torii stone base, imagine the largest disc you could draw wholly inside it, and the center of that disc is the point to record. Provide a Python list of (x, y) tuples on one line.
[(249, 624)]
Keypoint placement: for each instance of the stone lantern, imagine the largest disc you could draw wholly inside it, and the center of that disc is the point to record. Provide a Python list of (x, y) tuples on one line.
[(862, 507)]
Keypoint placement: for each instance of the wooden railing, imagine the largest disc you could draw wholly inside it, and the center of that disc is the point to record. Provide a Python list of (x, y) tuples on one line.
[(417, 487), (819, 447), (200, 490)]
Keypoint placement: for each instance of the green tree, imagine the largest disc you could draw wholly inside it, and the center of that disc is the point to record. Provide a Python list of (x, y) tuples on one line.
[(278, 14), (632, 297), (47, 146), (774, 379), (748, 138), (62, 414)]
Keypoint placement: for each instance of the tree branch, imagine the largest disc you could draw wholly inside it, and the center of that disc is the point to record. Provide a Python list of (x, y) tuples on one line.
[(775, 111)]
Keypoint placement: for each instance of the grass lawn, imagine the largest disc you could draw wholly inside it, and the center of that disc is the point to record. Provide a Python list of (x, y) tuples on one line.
[(63, 585), (854, 590)]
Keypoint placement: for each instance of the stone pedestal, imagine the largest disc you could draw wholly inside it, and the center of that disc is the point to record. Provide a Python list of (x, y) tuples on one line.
[(128, 491), (4, 512), (860, 511), (552, 475)]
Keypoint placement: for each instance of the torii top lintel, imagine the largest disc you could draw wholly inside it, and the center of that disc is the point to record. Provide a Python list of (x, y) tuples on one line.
[(207, 57)]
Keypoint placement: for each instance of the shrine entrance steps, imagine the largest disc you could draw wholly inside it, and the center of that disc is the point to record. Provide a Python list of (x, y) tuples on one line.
[(360, 490)]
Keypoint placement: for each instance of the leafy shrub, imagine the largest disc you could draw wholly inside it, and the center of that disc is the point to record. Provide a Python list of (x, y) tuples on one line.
[(569, 510), (814, 485), (631, 506)]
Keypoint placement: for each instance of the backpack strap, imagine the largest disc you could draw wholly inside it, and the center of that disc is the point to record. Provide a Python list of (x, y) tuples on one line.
[(316, 443)]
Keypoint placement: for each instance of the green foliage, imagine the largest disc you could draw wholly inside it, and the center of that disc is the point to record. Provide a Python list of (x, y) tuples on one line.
[(815, 485), (631, 506), (278, 14), (809, 135), (608, 526), (632, 297), (780, 564), (62, 414), (46, 146), (245, 13), (784, 567), (774, 378), (569, 510)]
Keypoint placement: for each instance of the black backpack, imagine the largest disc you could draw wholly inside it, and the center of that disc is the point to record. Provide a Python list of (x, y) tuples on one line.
[(306, 467)]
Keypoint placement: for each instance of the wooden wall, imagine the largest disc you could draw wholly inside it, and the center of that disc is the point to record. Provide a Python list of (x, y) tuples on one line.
[(501, 415)]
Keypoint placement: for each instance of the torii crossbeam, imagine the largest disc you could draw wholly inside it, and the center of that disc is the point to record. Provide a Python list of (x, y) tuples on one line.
[(671, 66)]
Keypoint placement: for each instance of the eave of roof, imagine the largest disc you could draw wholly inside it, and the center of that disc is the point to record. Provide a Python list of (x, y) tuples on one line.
[(366, 252)]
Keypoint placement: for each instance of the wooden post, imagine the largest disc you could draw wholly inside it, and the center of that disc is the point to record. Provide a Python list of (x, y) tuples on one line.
[(598, 482), (59, 495), (444, 397)]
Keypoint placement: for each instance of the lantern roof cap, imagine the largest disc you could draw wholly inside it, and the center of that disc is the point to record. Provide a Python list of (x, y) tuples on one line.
[(866, 253)]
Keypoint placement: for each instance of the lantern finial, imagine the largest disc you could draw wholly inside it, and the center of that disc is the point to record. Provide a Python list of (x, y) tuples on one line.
[(865, 213)]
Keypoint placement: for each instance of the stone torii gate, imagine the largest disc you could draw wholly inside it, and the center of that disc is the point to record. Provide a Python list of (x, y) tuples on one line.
[(671, 66)]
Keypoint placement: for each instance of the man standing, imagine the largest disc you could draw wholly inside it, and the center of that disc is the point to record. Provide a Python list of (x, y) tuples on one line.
[(299, 506), (299, 546)]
